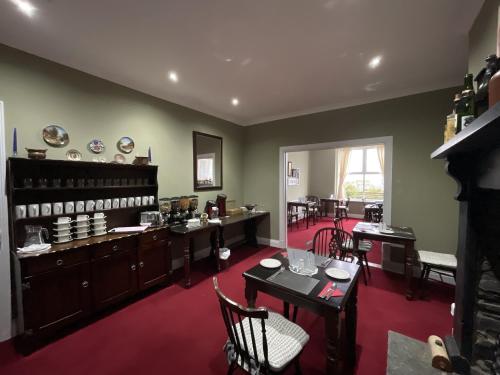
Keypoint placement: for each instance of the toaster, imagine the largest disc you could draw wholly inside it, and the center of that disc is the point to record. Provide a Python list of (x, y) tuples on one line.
[(153, 218)]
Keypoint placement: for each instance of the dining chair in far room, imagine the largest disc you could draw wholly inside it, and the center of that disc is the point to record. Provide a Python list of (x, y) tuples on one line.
[(315, 208), (343, 208), (291, 214), (259, 341)]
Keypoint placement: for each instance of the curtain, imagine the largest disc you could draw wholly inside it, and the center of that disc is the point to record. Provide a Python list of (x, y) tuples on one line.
[(381, 157), (342, 164)]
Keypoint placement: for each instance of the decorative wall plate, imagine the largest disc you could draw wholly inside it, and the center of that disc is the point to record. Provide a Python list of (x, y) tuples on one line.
[(125, 145), (119, 158), (55, 136), (74, 155), (96, 146)]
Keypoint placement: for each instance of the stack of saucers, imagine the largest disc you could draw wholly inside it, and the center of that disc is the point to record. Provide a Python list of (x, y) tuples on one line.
[(99, 224), (82, 227), (62, 230)]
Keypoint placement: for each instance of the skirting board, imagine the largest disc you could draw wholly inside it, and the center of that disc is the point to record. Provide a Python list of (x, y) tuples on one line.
[(205, 252)]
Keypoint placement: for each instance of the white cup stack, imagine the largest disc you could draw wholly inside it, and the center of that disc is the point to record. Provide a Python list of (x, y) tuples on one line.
[(99, 224), (62, 230), (82, 227)]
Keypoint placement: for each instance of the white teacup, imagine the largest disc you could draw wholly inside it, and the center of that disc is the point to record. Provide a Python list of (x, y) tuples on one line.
[(99, 215), (63, 220), (46, 209), (21, 211), (130, 202), (82, 218), (33, 210), (99, 204), (137, 201), (151, 200), (123, 202), (80, 235), (145, 200), (69, 207), (98, 232), (107, 204), (62, 226), (80, 206), (116, 203), (63, 237), (63, 231), (57, 208), (89, 205)]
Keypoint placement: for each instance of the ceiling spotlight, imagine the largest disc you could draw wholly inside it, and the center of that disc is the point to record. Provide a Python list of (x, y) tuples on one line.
[(228, 60), (25, 7), (235, 101), (173, 77), (375, 62)]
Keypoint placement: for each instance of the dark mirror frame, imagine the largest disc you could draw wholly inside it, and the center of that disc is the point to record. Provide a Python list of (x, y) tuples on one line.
[(195, 163)]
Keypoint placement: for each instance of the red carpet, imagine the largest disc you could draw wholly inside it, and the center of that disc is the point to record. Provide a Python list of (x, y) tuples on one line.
[(178, 331), (298, 238)]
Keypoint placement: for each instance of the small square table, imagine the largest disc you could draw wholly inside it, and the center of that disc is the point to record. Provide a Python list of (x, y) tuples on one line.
[(399, 235), (256, 280)]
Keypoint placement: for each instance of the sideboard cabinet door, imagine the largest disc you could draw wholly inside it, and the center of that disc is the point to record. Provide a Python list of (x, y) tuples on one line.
[(155, 263), (56, 298)]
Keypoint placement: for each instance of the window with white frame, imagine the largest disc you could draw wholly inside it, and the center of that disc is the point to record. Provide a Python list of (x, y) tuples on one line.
[(206, 170), (365, 173)]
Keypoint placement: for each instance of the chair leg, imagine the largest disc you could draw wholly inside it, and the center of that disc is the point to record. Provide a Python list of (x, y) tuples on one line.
[(231, 368), (360, 263), (295, 310), (367, 266)]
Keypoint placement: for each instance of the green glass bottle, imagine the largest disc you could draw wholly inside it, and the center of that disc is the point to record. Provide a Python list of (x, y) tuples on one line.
[(468, 102)]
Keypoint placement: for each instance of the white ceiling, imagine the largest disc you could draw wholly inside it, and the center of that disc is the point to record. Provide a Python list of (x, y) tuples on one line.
[(287, 57)]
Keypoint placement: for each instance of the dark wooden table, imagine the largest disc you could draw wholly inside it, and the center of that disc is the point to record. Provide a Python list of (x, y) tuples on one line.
[(339, 353), (326, 204), (216, 230), (305, 205), (402, 235)]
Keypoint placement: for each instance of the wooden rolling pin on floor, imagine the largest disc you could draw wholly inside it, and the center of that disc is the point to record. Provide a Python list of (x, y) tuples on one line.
[(440, 359)]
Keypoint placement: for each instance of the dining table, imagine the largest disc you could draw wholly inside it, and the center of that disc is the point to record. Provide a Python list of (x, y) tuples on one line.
[(329, 205), (305, 292), (391, 234), (306, 205)]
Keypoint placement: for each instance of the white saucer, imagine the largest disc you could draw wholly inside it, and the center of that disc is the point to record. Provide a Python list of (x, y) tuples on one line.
[(83, 231), (63, 241), (82, 238), (270, 263), (82, 226), (62, 229), (62, 235), (337, 273), (98, 218), (101, 234)]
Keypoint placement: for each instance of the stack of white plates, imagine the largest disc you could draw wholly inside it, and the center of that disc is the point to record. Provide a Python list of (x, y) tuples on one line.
[(62, 230), (82, 227), (99, 224)]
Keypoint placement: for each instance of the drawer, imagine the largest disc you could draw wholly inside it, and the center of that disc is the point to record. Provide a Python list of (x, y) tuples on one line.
[(43, 263), (151, 237), (110, 247)]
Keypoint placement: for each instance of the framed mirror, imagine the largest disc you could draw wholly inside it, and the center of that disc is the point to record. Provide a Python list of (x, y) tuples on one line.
[(207, 161)]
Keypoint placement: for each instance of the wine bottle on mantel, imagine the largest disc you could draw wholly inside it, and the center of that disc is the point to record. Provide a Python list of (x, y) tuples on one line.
[(468, 101)]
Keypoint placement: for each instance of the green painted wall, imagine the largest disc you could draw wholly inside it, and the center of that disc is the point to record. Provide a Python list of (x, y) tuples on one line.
[(37, 92), (483, 35), (422, 193)]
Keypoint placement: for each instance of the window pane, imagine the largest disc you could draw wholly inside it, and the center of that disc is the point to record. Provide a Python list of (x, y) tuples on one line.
[(372, 161), (374, 186), (356, 161), (206, 171), (353, 186)]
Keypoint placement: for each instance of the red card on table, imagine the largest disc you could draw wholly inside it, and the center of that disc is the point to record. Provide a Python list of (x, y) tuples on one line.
[(336, 293), (284, 254)]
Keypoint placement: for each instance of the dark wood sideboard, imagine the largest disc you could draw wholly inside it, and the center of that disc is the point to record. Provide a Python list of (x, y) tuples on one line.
[(77, 279)]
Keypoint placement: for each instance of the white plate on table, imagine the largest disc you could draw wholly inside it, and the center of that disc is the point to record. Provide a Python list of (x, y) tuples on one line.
[(386, 231), (337, 273), (270, 263)]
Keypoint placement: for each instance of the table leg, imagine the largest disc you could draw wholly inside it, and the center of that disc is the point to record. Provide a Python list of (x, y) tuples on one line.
[(187, 262), (222, 242), (250, 294), (286, 310), (409, 260), (216, 248), (251, 232), (333, 341), (351, 313), (307, 217)]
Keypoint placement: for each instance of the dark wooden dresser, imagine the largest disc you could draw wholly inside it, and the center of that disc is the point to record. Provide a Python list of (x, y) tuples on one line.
[(75, 280)]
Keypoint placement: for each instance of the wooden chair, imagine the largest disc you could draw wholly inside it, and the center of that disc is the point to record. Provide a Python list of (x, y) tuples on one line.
[(324, 243), (259, 341), (343, 208), (347, 244), (292, 213), (315, 209)]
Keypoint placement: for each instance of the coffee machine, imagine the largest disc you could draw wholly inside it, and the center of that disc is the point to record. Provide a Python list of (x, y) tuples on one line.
[(193, 206), (221, 204), (211, 209), (175, 215), (184, 208), (165, 208)]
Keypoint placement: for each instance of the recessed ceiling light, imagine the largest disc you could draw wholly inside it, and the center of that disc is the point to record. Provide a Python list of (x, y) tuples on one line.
[(25, 7), (173, 77), (375, 62), (228, 60), (235, 101)]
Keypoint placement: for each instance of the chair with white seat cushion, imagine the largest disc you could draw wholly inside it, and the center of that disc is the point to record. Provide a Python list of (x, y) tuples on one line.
[(260, 341), (440, 263)]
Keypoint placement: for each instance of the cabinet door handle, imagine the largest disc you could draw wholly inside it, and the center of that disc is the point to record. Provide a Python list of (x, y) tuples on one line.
[(26, 285), (59, 262), (115, 247), (85, 284), (133, 267), (155, 237), (141, 264)]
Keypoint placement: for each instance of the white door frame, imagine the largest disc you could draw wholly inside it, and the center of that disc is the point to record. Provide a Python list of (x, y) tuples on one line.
[(386, 141), (5, 300)]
